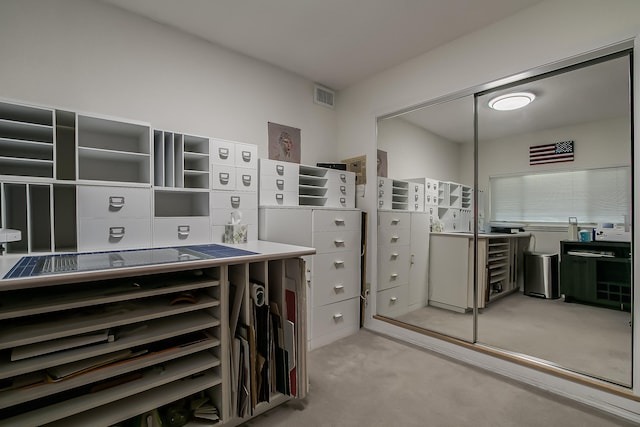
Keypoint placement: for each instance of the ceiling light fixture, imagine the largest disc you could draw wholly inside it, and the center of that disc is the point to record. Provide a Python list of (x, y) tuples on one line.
[(511, 101)]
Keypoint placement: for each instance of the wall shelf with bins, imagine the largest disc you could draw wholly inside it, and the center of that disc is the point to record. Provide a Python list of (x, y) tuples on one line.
[(114, 151), (26, 141)]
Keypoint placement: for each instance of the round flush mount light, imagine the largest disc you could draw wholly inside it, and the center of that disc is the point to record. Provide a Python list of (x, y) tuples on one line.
[(511, 101)]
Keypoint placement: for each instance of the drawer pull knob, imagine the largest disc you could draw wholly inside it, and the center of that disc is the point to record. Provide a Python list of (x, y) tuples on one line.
[(339, 221), (223, 153), (116, 202), (395, 221), (279, 197), (394, 276), (337, 316), (280, 169), (343, 189), (338, 242), (343, 201), (183, 230), (116, 232), (246, 156), (338, 263), (246, 180), (235, 201), (280, 184), (338, 288), (393, 299), (224, 178), (394, 238), (394, 255), (343, 177)]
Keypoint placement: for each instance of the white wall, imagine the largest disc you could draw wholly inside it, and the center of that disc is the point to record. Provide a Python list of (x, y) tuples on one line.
[(548, 32), (92, 57), (413, 152)]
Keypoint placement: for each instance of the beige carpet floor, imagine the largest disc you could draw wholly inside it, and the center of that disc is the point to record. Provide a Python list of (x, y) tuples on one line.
[(591, 340), (371, 380)]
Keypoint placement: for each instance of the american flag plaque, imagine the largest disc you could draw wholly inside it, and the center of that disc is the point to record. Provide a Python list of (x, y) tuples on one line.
[(551, 153)]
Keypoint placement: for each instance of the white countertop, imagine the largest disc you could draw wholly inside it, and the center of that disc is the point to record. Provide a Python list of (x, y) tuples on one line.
[(264, 250)]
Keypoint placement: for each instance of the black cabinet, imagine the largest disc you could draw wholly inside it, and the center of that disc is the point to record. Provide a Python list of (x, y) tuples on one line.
[(597, 273)]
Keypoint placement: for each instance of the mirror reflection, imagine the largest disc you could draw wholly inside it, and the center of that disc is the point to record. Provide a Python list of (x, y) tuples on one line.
[(554, 207)]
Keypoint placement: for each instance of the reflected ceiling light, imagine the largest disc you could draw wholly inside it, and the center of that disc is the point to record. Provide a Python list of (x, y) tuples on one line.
[(511, 101)]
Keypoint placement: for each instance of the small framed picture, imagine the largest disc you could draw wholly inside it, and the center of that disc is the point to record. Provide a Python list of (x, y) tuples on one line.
[(284, 143)]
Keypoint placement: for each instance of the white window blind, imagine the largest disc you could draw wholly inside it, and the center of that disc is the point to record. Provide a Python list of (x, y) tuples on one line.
[(593, 195)]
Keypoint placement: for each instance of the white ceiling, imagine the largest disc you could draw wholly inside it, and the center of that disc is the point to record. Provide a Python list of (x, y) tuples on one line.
[(596, 92), (332, 42)]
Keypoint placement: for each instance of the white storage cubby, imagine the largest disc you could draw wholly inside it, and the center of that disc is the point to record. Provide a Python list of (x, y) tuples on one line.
[(312, 189), (394, 194), (180, 160), (26, 141), (112, 150), (37, 209)]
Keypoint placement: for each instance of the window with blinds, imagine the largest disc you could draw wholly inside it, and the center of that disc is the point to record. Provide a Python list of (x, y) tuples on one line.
[(592, 195)]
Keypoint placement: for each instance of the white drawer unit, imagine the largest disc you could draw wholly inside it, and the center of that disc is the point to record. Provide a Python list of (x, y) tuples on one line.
[(338, 277), (177, 231), (278, 198), (223, 177), (246, 156), (113, 202), (393, 301), (342, 187), (393, 266), (112, 217), (334, 321), (113, 234), (416, 197), (333, 273), (247, 180), (226, 203), (223, 152), (394, 220)]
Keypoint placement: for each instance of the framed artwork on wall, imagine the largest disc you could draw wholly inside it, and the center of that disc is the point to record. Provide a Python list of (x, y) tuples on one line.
[(284, 143)]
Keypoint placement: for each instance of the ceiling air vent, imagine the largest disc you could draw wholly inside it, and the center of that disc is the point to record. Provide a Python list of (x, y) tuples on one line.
[(324, 96)]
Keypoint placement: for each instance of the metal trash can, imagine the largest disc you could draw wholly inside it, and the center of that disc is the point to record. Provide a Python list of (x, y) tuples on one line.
[(541, 275)]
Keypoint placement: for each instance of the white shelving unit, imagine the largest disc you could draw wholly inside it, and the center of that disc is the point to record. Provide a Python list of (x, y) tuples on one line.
[(113, 150), (180, 161), (312, 187), (26, 141)]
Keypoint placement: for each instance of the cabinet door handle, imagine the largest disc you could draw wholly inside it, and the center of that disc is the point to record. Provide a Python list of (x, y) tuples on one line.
[(116, 202), (246, 156), (279, 198), (393, 299), (416, 198), (394, 255), (116, 232), (395, 221), (280, 184), (224, 178), (338, 287), (338, 242), (339, 221), (343, 177), (394, 238), (246, 180), (343, 189), (416, 188), (223, 153), (394, 276), (280, 169), (413, 256), (338, 263), (183, 230), (235, 201), (343, 201), (337, 316)]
